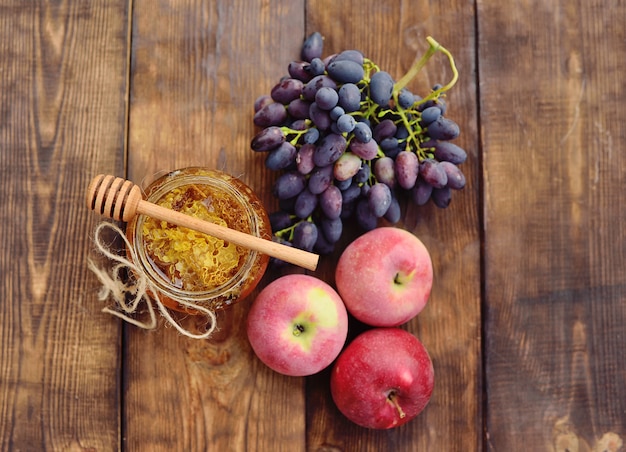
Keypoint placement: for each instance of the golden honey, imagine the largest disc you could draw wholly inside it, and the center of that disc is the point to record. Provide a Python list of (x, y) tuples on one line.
[(189, 267)]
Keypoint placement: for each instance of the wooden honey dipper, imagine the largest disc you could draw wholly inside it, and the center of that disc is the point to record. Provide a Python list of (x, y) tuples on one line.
[(120, 199)]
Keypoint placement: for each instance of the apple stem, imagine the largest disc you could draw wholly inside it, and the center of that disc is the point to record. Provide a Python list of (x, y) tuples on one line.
[(401, 278), (393, 399), (298, 330)]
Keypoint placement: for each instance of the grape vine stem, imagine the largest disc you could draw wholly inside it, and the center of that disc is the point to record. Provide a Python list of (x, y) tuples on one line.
[(433, 47)]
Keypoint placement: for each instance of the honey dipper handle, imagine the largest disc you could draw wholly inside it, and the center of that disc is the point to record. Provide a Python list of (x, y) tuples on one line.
[(286, 253), (121, 200)]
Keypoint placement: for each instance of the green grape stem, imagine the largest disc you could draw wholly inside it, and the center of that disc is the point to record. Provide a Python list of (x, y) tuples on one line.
[(296, 134), (289, 230), (433, 48)]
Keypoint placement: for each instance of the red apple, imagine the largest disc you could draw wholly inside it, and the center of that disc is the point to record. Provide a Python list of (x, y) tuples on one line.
[(297, 325), (385, 276), (383, 379)]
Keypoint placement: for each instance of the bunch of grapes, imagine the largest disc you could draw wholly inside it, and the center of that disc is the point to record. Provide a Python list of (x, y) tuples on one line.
[(349, 141)]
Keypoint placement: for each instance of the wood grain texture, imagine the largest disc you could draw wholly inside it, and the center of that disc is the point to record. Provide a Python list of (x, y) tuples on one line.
[(62, 92), (197, 69), (536, 235), (393, 34), (554, 215)]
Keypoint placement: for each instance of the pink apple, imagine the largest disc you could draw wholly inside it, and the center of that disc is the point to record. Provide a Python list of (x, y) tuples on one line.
[(383, 378), (385, 277), (297, 325)]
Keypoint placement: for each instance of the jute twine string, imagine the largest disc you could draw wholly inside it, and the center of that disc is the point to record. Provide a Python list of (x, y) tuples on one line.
[(129, 294)]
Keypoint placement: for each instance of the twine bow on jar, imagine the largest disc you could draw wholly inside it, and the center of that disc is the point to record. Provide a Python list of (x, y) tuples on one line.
[(129, 286)]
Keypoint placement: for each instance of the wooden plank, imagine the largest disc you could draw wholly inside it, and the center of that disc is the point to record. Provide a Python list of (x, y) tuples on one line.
[(392, 34), (62, 92), (554, 251), (197, 69)]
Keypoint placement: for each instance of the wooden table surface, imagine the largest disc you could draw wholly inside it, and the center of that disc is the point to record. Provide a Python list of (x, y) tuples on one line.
[(526, 324)]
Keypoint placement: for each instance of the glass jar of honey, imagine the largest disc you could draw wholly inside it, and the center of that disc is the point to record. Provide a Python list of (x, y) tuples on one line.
[(191, 268)]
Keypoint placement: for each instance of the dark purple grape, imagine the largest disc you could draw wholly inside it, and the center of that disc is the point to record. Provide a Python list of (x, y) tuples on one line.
[(289, 185), (348, 211), (393, 152), (406, 99), (267, 139), (274, 261), (443, 129), (299, 108), (317, 82), (298, 124), (394, 213), (367, 151), (364, 216), (272, 114), (320, 117), (430, 115), (262, 101), (305, 235), (449, 152), (350, 194), (346, 166), (381, 88), (388, 145), (279, 220), (346, 123), (328, 59), (304, 158), (385, 172), (442, 197), (363, 175), (287, 90), (345, 71), (330, 202), (322, 245), (286, 204), (311, 136), (402, 133), (362, 132), (437, 102), (336, 113), (298, 70), (443, 106), (351, 55), (329, 149), (384, 129), (326, 98), (379, 199), (332, 229), (349, 97), (432, 172), (312, 47), (316, 67), (456, 178), (306, 202), (342, 184), (320, 179), (281, 157), (406, 169), (421, 192)]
